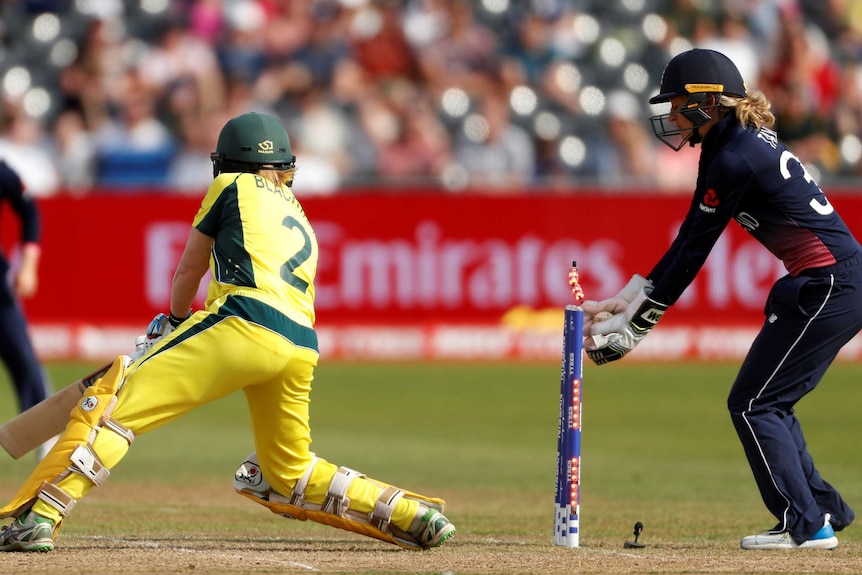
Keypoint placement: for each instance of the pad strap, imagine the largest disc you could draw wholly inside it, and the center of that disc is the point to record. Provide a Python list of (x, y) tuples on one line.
[(336, 500), (56, 498), (119, 429), (298, 495), (88, 464), (385, 506)]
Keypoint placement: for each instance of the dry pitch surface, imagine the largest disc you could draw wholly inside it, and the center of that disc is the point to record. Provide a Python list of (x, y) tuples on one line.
[(182, 535)]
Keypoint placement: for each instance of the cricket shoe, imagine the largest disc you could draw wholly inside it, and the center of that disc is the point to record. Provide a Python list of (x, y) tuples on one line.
[(432, 528), (30, 532), (823, 539)]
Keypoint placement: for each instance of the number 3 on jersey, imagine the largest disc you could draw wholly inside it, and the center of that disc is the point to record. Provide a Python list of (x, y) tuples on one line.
[(822, 209)]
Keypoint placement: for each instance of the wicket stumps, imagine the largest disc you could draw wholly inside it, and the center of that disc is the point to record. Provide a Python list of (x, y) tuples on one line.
[(567, 509)]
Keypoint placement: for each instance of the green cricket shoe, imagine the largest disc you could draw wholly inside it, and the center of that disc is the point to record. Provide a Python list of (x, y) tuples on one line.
[(30, 532)]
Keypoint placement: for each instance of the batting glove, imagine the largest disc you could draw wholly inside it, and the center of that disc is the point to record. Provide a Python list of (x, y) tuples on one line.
[(159, 327), (613, 338)]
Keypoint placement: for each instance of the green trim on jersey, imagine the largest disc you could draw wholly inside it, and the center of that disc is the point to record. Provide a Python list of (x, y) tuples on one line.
[(257, 312), (252, 311), (231, 261), (204, 324)]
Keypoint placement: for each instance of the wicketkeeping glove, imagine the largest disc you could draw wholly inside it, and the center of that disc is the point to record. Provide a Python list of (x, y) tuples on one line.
[(616, 304), (615, 337)]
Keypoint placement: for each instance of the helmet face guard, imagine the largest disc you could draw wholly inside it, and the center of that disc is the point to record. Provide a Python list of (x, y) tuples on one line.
[(220, 164), (698, 110), (703, 76)]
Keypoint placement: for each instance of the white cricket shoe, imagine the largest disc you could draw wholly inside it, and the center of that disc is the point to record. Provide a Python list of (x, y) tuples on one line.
[(823, 539)]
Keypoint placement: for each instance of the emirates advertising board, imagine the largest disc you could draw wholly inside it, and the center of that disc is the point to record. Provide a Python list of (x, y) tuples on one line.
[(411, 275)]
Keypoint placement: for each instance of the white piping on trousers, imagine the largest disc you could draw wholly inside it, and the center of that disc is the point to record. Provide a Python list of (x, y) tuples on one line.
[(762, 389)]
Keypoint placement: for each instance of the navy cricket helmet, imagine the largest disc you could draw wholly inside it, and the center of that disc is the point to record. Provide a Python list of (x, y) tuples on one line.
[(702, 75)]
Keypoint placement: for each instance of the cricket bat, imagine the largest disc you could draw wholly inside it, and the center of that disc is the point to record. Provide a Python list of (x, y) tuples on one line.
[(30, 429)]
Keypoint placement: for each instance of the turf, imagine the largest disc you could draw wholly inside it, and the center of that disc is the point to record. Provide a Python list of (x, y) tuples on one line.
[(658, 447)]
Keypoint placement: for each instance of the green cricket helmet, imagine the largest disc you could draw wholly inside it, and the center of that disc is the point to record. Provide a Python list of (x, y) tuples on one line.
[(252, 142)]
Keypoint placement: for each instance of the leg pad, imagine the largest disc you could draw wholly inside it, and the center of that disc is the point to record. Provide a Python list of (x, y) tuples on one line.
[(73, 452), (335, 509)]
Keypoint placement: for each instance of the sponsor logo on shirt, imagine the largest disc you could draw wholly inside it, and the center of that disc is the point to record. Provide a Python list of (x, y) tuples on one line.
[(709, 203), (747, 221), (768, 136)]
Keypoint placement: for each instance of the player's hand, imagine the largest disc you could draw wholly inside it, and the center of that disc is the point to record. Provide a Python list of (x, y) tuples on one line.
[(160, 326), (26, 279), (616, 304), (26, 283), (613, 338)]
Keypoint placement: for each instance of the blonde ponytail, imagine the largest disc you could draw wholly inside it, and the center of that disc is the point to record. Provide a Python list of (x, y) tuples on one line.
[(279, 177), (753, 110)]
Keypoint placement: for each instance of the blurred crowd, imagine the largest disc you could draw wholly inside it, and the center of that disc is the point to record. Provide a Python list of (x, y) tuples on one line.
[(503, 96)]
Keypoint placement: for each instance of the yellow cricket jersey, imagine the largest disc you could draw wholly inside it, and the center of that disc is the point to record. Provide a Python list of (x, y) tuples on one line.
[(264, 258)]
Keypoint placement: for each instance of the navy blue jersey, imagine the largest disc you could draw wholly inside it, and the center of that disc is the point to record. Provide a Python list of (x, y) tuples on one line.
[(12, 191), (748, 175)]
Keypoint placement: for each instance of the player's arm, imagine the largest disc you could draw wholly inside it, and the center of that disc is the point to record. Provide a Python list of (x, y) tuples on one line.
[(27, 278), (714, 202), (612, 339), (187, 278), (191, 268), (619, 303)]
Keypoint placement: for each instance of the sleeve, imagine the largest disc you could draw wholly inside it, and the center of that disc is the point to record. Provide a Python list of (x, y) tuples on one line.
[(713, 205), (208, 219), (22, 203)]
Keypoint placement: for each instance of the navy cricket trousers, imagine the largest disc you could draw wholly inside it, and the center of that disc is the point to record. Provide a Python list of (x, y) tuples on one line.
[(808, 319), (17, 352)]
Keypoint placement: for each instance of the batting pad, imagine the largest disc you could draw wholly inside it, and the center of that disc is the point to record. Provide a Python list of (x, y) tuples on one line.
[(335, 509), (73, 452)]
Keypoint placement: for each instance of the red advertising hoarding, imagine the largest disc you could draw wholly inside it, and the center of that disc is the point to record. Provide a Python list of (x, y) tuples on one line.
[(413, 274)]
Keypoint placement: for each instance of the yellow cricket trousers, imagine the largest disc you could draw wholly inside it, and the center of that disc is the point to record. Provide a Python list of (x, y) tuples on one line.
[(209, 357)]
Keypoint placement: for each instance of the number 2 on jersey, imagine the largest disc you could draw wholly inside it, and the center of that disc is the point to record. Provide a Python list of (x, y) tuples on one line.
[(290, 266)]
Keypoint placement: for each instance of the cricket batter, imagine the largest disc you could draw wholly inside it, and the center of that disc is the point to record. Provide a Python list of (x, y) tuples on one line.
[(256, 335), (746, 174)]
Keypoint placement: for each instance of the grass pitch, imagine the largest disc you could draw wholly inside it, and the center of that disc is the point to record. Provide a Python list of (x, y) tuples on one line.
[(657, 447)]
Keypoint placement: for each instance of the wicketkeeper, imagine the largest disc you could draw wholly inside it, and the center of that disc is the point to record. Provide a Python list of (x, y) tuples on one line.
[(16, 349), (746, 174), (256, 335)]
